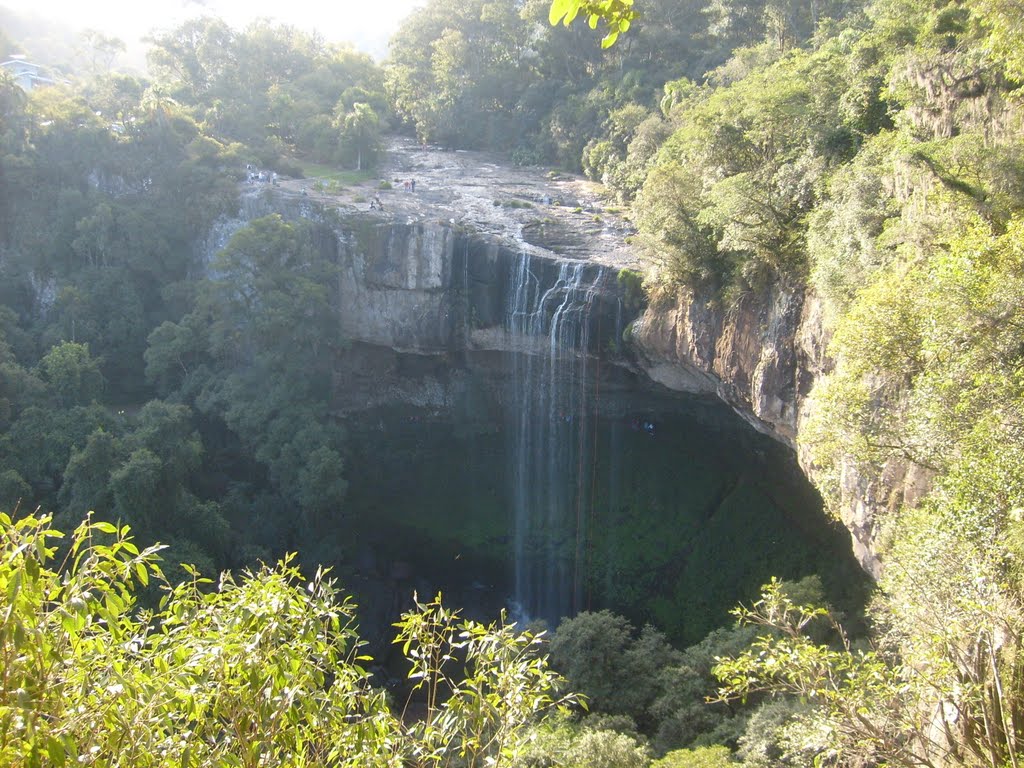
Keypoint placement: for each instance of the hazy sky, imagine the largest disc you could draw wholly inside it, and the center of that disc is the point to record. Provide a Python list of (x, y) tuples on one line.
[(366, 23)]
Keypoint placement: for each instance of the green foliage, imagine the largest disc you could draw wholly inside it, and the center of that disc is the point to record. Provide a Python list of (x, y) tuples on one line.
[(765, 742), (502, 76), (640, 680), (274, 89), (999, 18), (606, 749), (669, 213), (621, 160), (72, 375), (845, 230), (615, 14), (360, 136), (111, 223), (265, 667), (877, 705), (87, 474), (925, 341), (682, 712), (39, 443), (259, 668), (505, 686), (13, 489), (631, 283), (589, 650), (727, 198), (451, 60), (256, 355), (702, 757)]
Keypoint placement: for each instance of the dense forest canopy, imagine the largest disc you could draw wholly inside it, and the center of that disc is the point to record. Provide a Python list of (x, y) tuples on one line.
[(868, 154), (110, 185)]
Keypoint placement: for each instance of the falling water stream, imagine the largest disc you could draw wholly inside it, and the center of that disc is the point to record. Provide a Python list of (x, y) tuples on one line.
[(550, 427), (530, 468)]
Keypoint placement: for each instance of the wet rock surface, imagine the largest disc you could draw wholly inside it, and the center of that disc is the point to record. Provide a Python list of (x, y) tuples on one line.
[(530, 208)]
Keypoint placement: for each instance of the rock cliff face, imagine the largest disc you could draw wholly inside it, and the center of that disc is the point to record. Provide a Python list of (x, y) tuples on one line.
[(434, 288), (505, 446), (750, 357), (762, 358), (433, 276)]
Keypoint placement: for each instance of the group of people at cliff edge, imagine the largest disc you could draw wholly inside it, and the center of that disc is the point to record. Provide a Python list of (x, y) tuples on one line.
[(376, 204)]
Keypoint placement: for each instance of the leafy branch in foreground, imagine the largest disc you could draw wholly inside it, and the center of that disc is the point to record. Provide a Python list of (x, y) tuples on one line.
[(263, 669), (482, 715), (874, 707), (616, 15)]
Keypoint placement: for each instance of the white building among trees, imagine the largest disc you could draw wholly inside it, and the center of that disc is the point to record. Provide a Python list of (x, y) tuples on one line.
[(26, 74)]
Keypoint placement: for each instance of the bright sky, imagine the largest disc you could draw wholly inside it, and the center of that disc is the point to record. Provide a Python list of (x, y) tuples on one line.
[(368, 24)]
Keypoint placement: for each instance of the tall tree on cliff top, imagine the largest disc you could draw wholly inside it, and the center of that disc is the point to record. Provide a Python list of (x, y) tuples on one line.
[(360, 135), (458, 70)]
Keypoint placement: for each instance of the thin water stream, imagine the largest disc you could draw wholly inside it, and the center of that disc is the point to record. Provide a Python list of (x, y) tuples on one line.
[(550, 415)]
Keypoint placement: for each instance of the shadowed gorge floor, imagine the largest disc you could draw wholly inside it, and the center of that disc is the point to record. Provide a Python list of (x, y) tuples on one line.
[(674, 511)]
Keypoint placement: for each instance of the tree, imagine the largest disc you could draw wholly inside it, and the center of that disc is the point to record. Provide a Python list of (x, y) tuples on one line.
[(256, 355), (702, 757), (633, 674), (1001, 19), (72, 374), (360, 134), (194, 56), (266, 666), (450, 61), (101, 50), (85, 485), (669, 211), (607, 749), (951, 703)]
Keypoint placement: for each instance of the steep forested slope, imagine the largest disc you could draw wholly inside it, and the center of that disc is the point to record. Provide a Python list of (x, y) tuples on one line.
[(110, 185)]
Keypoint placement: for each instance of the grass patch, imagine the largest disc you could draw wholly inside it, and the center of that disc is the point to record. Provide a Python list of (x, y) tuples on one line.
[(328, 173)]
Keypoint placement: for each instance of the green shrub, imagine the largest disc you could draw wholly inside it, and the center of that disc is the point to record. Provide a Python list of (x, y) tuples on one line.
[(263, 669), (632, 284), (607, 749), (703, 757)]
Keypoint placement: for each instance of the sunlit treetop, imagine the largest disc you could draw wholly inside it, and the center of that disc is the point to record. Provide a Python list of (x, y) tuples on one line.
[(616, 15)]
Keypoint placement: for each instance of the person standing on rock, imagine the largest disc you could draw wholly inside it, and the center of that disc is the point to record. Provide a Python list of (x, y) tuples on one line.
[(412, 184)]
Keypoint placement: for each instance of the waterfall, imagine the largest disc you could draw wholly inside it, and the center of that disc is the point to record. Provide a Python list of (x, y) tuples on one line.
[(549, 428)]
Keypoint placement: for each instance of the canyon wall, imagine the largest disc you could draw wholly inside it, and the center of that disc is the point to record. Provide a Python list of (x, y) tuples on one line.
[(762, 357), (438, 289)]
